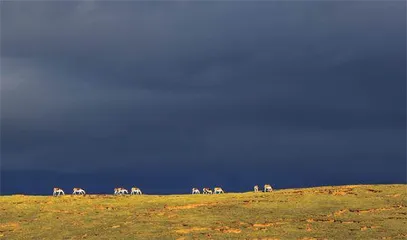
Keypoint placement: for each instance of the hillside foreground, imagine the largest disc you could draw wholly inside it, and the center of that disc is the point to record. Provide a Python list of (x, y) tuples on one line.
[(341, 212)]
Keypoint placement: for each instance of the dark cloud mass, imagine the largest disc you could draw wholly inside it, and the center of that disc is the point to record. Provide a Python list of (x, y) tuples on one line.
[(293, 93)]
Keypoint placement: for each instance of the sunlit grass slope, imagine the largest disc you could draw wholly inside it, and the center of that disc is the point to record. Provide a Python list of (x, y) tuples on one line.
[(344, 212)]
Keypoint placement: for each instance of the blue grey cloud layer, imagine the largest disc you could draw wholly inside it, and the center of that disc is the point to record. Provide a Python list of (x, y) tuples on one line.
[(94, 86)]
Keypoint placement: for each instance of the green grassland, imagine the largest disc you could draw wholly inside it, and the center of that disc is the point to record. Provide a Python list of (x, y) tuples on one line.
[(341, 212)]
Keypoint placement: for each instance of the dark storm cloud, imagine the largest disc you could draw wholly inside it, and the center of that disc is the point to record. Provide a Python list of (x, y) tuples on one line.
[(191, 85)]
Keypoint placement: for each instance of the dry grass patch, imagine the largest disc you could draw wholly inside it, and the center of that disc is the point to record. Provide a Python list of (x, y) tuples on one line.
[(189, 206)]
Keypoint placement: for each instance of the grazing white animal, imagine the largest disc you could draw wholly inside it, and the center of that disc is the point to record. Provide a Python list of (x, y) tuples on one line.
[(58, 191), (123, 191), (120, 190), (218, 190), (256, 188), (195, 191), (206, 191), (268, 188), (136, 190), (79, 191)]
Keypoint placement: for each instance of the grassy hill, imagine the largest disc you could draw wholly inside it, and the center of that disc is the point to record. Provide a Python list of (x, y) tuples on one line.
[(342, 212)]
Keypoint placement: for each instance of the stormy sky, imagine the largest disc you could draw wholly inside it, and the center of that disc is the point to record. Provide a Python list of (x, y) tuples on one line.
[(169, 95)]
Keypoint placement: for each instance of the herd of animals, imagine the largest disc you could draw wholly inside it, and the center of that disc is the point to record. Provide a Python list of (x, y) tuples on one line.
[(137, 191)]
